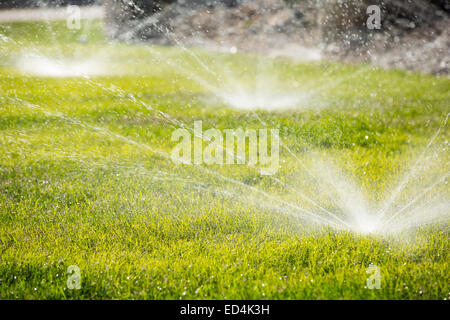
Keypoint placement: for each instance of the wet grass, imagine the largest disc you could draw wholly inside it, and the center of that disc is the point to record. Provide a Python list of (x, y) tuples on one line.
[(79, 184)]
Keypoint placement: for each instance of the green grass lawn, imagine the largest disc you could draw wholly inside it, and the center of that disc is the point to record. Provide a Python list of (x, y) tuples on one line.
[(84, 180)]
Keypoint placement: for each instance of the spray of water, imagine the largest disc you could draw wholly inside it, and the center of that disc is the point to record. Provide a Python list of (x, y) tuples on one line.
[(53, 67), (351, 211), (343, 205)]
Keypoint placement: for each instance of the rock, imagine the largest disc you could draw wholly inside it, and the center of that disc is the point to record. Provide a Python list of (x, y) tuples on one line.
[(413, 35)]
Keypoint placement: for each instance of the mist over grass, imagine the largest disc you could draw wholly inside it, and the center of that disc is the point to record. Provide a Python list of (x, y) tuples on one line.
[(79, 184)]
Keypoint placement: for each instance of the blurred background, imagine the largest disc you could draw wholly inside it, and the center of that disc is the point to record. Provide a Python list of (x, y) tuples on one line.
[(34, 3), (413, 35)]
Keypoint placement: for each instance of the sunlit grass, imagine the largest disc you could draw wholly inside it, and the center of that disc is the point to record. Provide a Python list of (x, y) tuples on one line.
[(138, 226)]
